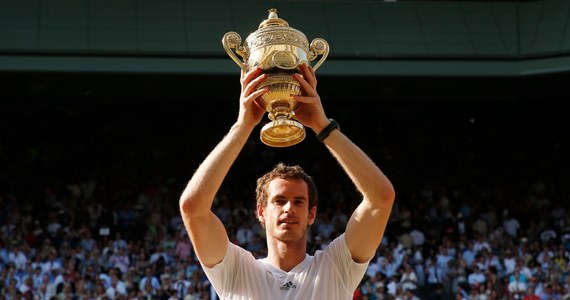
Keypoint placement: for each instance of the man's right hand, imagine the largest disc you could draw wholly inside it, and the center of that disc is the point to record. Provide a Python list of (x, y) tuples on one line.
[(250, 112)]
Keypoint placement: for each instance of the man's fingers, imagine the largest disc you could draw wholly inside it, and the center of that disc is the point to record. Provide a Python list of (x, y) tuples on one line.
[(256, 94), (246, 77), (307, 87), (309, 74), (253, 84), (302, 99)]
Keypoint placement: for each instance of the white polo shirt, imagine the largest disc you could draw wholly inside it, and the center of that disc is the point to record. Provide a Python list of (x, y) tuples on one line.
[(329, 274)]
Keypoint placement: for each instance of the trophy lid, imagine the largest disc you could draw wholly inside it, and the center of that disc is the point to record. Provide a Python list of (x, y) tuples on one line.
[(273, 20), (275, 31)]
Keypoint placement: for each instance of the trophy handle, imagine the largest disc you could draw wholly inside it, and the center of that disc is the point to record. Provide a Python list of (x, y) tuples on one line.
[(318, 47), (232, 40)]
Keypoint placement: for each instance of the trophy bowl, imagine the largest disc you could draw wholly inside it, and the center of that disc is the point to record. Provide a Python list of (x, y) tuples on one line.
[(279, 50)]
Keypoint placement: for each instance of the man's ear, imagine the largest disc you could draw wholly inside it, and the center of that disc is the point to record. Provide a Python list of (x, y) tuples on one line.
[(312, 215), (261, 214)]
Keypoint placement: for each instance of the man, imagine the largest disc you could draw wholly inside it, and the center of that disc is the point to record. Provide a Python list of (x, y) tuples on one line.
[(181, 284), (517, 287), (530, 294), (476, 278), (286, 206)]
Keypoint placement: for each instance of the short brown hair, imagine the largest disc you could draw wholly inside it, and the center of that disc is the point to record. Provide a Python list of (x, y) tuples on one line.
[(284, 171)]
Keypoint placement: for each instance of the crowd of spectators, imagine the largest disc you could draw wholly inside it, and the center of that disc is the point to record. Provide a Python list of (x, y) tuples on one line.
[(89, 200)]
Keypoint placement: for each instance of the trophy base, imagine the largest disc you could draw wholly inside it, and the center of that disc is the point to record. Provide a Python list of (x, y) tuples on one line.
[(282, 133)]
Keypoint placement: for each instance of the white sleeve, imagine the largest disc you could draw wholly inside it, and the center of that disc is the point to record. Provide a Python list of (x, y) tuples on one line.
[(223, 276), (350, 271)]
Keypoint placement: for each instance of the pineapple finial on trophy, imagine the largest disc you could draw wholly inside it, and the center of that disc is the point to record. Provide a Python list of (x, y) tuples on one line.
[(272, 12)]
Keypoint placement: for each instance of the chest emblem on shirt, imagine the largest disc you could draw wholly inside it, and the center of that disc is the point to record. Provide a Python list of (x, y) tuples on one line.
[(287, 286)]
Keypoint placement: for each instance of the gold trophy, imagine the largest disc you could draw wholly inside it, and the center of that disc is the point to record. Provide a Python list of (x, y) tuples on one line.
[(279, 50)]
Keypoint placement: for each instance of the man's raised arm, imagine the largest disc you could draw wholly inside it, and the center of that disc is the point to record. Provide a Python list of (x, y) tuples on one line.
[(367, 224), (206, 231)]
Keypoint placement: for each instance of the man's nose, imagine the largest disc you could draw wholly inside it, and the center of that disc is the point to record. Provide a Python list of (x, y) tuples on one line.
[(288, 207)]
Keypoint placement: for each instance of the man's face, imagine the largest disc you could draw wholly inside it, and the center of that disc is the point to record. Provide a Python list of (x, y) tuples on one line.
[(287, 214)]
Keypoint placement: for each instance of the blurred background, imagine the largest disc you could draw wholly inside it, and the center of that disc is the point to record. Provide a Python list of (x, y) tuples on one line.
[(110, 101)]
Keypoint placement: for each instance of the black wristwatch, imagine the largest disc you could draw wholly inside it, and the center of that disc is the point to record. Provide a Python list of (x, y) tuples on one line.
[(327, 130)]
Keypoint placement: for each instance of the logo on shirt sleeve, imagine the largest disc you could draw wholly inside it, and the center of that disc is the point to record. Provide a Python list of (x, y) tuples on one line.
[(287, 286)]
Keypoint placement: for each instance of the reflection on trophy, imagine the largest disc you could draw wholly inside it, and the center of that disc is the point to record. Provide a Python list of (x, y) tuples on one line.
[(279, 50)]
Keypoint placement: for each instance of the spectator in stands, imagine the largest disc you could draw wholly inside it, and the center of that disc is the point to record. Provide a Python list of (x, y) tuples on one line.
[(117, 287), (87, 241), (149, 282), (183, 248), (244, 234), (166, 286), (17, 256), (286, 206), (26, 288), (82, 286), (509, 262), (52, 263), (530, 295), (510, 224), (160, 254), (408, 280), (100, 291), (456, 273), (67, 291), (119, 242), (120, 260), (476, 278), (517, 286), (548, 292), (181, 285), (325, 225), (434, 275), (141, 261)]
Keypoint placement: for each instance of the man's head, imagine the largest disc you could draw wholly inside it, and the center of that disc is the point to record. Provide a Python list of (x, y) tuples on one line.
[(286, 201), (285, 172)]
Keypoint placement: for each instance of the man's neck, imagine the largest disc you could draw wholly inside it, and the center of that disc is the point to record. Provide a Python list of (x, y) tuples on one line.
[(286, 255)]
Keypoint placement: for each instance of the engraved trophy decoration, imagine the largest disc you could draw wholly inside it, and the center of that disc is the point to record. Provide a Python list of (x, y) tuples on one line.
[(278, 49)]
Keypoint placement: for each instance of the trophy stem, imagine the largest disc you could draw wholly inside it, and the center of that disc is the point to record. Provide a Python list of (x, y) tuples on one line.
[(281, 111), (282, 132)]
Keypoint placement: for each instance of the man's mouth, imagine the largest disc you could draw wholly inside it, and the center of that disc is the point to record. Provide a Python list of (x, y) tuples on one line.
[(288, 221)]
